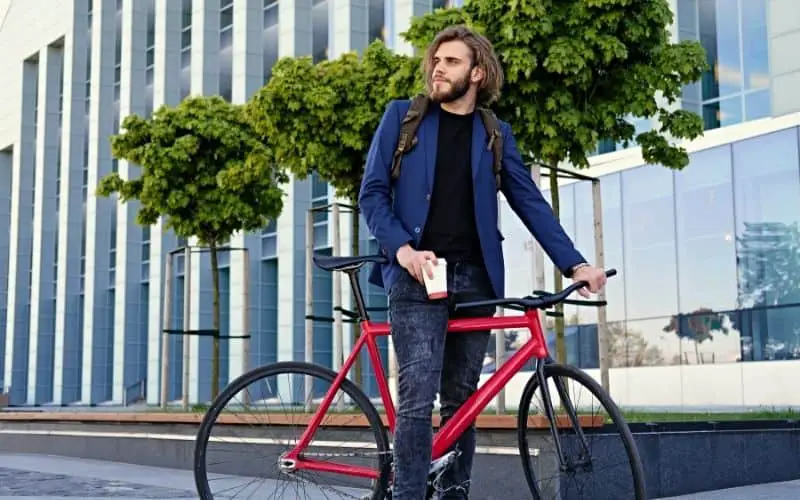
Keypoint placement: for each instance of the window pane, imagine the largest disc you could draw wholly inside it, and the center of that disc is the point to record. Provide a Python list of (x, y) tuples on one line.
[(722, 113), (767, 190), (644, 343), (755, 50), (611, 198), (719, 34), (758, 105), (377, 23), (650, 270), (770, 334), (705, 228), (319, 31)]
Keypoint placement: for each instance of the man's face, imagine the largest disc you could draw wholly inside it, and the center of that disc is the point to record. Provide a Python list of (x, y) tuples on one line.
[(452, 71)]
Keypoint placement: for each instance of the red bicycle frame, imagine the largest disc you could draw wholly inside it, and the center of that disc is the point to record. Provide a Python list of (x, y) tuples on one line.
[(535, 347)]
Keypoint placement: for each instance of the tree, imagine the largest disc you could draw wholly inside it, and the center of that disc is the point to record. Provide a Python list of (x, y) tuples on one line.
[(206, 171), (628, 348), (698, 327), (322, 117), (576, 71)]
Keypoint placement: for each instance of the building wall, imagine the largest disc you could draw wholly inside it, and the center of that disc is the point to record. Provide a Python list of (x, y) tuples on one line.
[(783, 23), (82, 291), (706, 300)]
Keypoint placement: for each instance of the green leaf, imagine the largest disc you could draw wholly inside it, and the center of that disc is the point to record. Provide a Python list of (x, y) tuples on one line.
[(203, 168)]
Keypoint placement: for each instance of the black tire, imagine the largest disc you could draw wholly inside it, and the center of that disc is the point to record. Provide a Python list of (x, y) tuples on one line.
[(583, 379), (290, 367)]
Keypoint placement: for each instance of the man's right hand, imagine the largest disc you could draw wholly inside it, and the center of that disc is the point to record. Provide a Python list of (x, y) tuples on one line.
[(416, 261)]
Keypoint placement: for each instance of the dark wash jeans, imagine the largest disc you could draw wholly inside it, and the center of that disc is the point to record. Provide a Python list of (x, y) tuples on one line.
[(430, 361)]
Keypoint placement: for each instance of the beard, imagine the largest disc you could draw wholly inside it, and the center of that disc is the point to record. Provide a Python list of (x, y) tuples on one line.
[(457, 90)]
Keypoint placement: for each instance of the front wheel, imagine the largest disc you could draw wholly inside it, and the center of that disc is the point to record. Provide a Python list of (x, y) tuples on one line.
[(262, 414), (599, 456)]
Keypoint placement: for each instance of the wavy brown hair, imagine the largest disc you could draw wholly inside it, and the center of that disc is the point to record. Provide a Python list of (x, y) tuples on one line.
[(483, 56)]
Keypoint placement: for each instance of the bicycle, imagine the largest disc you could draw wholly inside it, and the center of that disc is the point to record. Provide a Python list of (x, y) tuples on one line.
[(297, 462)]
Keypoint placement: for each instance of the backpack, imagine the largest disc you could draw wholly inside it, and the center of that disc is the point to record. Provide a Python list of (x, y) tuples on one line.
[(415, 114)]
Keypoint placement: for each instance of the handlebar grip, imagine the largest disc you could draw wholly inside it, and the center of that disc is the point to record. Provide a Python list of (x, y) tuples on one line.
[(611, 272)]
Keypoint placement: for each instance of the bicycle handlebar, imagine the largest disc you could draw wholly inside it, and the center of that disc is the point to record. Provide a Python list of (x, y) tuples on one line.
[(541, 302)]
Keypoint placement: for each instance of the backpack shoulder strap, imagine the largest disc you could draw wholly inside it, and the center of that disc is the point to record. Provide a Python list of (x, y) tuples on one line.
[(408, 131), (492, 127)]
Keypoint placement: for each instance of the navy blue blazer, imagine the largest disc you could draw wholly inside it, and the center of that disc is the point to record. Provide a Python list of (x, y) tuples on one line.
[(396, 211)]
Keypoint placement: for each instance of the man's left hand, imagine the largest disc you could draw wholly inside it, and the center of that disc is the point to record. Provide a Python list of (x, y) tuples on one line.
[(595, 276)]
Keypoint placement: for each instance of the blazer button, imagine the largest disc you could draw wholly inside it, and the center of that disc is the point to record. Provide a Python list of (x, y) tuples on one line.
[(416, 229), (428, 197)]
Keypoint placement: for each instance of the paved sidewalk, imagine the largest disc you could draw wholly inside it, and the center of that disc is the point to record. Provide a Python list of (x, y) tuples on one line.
[(774, 491), (47, 477)]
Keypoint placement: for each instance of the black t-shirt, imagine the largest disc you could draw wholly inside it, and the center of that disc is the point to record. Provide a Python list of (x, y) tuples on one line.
[(450, 230)]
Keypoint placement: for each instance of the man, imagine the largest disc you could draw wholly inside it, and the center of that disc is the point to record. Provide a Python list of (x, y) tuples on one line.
[(444, 205)]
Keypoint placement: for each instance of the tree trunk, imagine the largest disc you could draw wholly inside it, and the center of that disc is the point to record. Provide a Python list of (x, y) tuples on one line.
[(561, 350), (356, 332), (215, 313)]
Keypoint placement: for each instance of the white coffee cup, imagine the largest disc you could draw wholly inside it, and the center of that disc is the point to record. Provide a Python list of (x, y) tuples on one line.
[(436, 286)]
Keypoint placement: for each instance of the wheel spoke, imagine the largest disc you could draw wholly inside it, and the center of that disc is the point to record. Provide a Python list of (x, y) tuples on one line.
[(261, 416), (594, 462)]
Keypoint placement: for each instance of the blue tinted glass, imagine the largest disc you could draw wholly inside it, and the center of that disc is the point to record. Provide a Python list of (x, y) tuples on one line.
[(755, 47), (719, 34), (723, 113), (611, 197), (758, 104), (770, 334), (644, 343), (705, 229), (319, 31), (767, 191), (650, 269), (377, 22)]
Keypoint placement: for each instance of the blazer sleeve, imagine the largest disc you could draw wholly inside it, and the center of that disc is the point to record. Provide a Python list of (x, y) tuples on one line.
[(526, 200), (375, 195)]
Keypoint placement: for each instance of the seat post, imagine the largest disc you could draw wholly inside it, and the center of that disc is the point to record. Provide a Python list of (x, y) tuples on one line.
[(356, 287)]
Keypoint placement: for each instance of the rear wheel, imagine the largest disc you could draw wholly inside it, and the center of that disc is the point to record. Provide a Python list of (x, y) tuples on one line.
[(608, 468), (262, 414)]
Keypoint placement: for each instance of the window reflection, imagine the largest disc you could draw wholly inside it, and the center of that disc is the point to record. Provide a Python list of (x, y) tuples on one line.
[(270, 37), (377, 20), (767, 193), (734, 36), (649, 224), (319, 13), (705, 232), (646, 343)]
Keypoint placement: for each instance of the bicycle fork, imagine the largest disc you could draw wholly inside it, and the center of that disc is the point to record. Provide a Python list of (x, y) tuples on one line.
[(566, 402)]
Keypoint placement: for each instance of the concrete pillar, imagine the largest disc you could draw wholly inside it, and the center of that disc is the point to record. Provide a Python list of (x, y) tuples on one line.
[(783, 31), (350, 26), (166, 90), (129, 234), (402, 12), (68, 331), (204, 81), (98, 307), (45, 228), (21, 233), (295, 39), (6, 165), (248, 30)]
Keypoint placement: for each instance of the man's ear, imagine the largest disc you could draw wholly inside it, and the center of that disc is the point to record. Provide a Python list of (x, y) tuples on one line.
[(477, 74)]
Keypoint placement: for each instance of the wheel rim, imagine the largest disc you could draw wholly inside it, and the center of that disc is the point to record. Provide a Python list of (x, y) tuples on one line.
[(243, 443), (605, 474)]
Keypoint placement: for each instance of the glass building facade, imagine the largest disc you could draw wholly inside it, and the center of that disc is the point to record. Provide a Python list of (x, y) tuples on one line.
[(708, 258)]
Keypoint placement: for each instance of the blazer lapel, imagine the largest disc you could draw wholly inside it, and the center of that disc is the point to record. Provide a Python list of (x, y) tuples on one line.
[(478, 143), (428, 132)]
